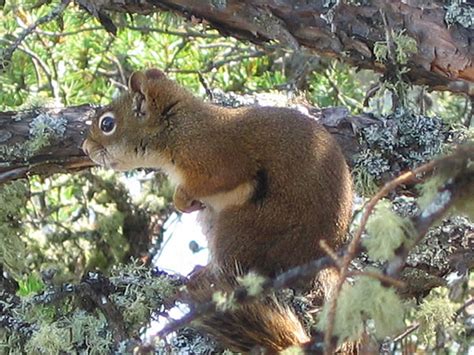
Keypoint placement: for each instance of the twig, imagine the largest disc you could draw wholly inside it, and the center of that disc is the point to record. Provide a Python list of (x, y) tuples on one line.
[(379, 276), (187, 33), (241, 295), (329, 251), (43, 66), (220, 63), (70, 33), (406, 332), (47, 18)]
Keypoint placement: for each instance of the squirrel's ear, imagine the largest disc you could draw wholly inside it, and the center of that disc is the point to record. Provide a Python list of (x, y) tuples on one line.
[(137, 78), (135, 81), (154, 74)]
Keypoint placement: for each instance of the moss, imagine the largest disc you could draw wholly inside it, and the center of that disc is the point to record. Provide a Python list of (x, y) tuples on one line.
[(387, 231), (366, 300)]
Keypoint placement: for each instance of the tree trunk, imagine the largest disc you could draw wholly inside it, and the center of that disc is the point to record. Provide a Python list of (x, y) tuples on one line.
[(444, 41)]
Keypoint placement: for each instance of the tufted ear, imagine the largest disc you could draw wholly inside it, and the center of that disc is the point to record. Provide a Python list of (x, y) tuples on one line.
[(135, 82)]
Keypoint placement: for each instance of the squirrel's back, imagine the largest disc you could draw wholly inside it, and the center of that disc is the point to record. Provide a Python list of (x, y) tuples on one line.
[(302, 193)]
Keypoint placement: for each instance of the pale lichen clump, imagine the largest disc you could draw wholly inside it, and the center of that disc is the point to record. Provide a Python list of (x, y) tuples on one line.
[(293, 350), (224, 301), (253, 282), (140, 293), (402, 141), (50, 338), (43, 130), (366, 300), (436, 311), (387, 232), (12, 248), (79, 330)]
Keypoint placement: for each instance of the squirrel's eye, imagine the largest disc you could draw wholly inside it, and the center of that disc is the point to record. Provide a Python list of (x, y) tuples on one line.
[(107, 123)]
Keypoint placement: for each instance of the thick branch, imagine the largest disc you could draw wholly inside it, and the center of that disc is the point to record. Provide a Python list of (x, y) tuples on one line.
[(19, 156), (42, 142), (444, 57)]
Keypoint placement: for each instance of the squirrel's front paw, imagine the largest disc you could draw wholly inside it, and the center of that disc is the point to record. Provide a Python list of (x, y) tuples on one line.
[(184, 203)]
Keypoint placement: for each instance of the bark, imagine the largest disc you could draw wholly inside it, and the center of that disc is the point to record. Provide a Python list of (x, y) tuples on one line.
[(444, 57), (21, 156), (63, 154)]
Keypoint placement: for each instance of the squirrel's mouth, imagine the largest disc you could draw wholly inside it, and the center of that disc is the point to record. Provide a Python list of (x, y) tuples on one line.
[(99, 154)]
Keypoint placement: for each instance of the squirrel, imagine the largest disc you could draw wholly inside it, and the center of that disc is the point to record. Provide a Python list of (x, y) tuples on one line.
[(270, 184)]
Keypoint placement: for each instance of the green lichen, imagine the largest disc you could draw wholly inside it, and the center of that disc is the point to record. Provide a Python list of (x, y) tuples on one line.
[(50, 339), (12, 248), (76, 331), (219, 4), (403, 141), (253, 282), (224, 301), (44, 128), (404, 47), (143, 293), (436, 311), (364, 183), (90, 333), (387, 231), (366, 300), (10, 343)]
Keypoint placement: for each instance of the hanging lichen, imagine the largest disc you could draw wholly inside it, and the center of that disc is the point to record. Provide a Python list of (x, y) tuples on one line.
[(387, 232), (435, 311), (366, 300), (12, 249)]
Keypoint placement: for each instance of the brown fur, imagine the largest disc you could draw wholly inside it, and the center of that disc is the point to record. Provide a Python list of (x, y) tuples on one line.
[(273, 181)]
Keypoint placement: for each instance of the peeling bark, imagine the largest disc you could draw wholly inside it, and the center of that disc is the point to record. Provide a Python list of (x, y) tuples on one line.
[(444, 58)]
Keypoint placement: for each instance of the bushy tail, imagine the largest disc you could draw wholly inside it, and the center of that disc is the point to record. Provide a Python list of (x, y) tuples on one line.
[(264, 323)]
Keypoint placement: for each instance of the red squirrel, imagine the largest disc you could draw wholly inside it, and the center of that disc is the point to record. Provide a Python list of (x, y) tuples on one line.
[(270, 184)]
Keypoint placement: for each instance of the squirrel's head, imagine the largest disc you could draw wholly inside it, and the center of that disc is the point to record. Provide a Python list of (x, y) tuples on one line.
[(122, 133)]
